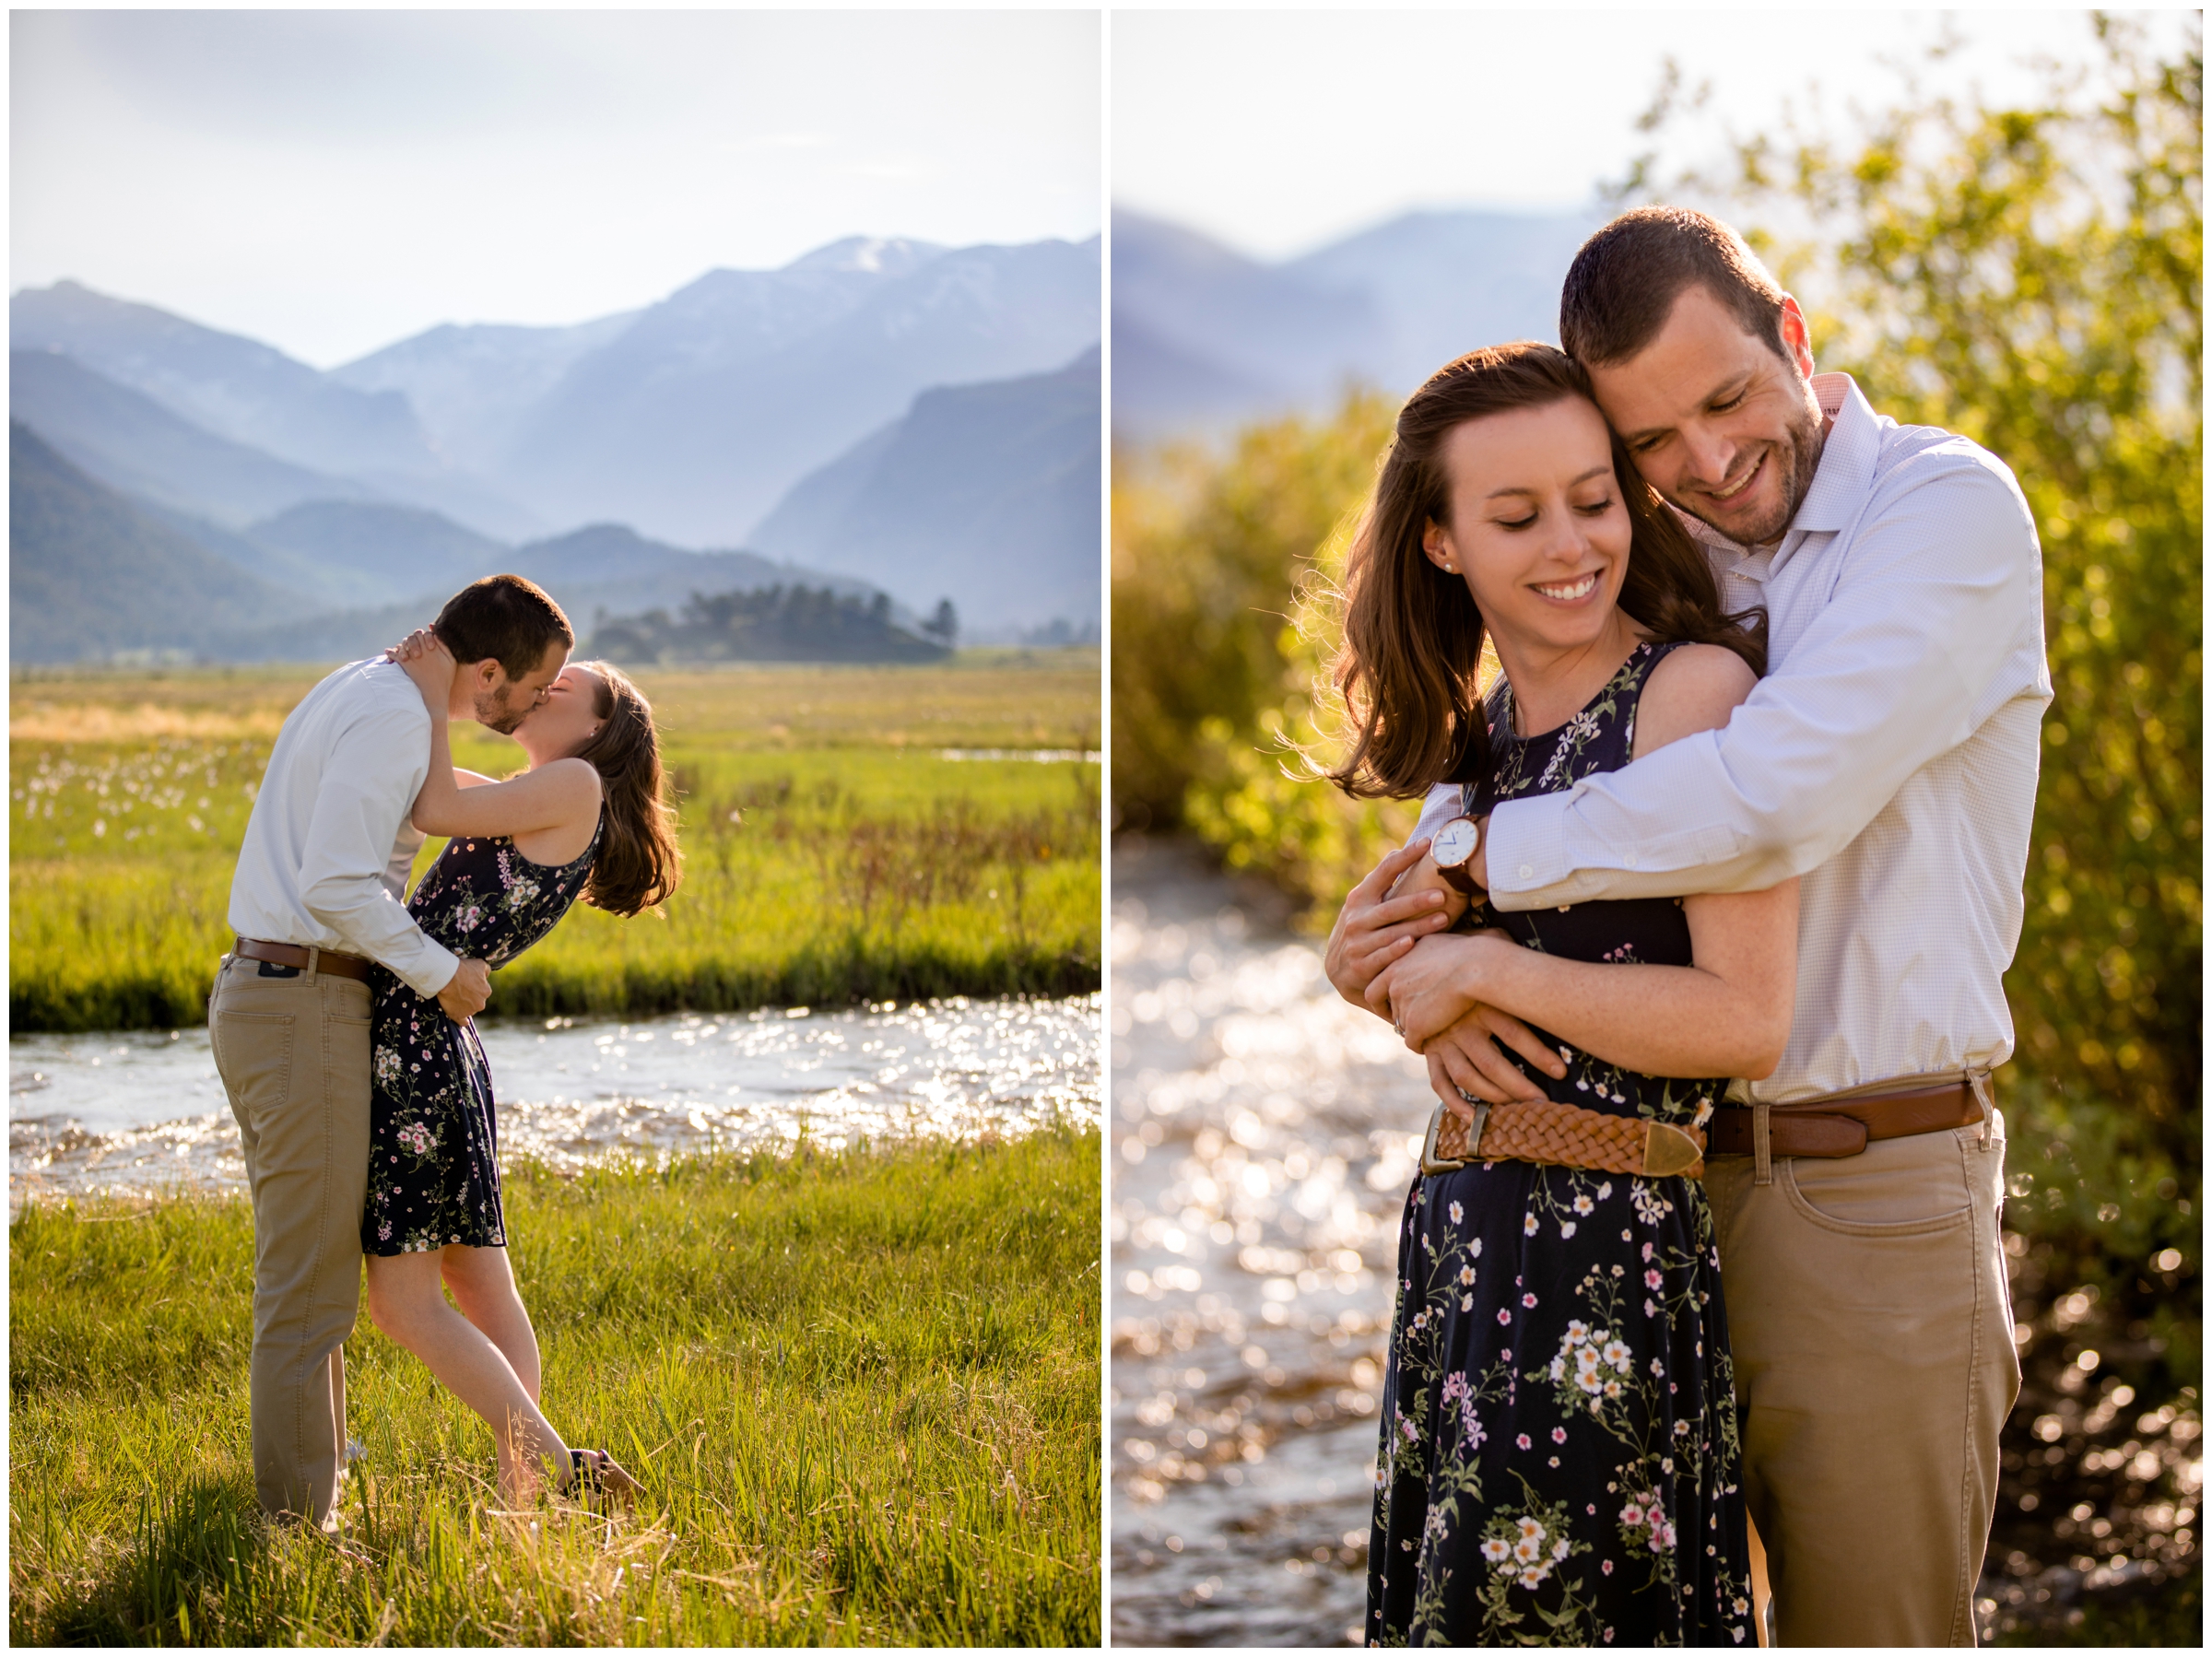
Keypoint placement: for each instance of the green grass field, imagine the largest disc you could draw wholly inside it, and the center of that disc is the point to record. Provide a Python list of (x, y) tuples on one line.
[(832, 855), (862, 1391)]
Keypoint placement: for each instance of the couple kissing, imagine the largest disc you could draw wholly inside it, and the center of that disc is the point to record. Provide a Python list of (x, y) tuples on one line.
[(342, 1020)]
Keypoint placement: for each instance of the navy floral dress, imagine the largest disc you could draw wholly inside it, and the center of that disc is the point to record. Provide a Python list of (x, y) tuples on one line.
[(433, 1142), (1560, 1461)]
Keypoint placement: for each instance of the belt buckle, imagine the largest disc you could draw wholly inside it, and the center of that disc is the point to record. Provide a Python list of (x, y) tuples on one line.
[(1433, 1164)]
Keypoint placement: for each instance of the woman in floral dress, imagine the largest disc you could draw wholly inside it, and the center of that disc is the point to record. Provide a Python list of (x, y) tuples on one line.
[(586, 819), (1559, 1459)]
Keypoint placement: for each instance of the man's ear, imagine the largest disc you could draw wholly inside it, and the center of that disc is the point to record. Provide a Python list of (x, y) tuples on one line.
[(1797, 338)]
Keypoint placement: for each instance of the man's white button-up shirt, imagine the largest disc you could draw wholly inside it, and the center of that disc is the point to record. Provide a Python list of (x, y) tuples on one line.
[(330, 842), (1888, 757)]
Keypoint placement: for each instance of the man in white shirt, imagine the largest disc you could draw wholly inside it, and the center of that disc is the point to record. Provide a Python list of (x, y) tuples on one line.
[(317, 896), (1889, 759)]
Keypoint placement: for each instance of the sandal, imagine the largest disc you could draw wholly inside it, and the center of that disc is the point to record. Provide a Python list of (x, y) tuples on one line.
[(594, 1472)]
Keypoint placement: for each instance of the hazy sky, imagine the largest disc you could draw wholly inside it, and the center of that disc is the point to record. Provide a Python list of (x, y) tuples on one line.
[(332, 182), (1279, 132)]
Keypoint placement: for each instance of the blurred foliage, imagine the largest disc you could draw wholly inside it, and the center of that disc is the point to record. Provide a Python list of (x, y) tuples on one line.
[(2030, 277), (1224, 574)]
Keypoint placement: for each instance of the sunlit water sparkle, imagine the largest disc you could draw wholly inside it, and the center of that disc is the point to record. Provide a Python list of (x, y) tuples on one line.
[(1264, 1137), (138, 1112)]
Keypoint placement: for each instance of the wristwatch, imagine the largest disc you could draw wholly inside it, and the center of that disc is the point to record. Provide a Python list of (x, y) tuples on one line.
[(1452, 845)]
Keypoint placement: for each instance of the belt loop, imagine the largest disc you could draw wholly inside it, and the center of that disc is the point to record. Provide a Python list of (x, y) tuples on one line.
[(314, 959), (1986, 1096), (1762, 1146)]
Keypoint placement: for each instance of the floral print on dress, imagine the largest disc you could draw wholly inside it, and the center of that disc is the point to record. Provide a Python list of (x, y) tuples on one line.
[(433, 1139), (1560, 1461)]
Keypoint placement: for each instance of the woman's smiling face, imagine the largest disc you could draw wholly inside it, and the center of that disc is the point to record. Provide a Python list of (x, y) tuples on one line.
[(1538, 529)]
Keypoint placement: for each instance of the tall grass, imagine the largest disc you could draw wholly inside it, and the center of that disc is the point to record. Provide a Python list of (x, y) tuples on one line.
[(861, 1391), (854, 868)]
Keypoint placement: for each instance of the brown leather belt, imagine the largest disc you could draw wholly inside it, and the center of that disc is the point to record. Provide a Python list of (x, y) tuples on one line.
[(1842, 1127), (1562, 1136), (299, 955)]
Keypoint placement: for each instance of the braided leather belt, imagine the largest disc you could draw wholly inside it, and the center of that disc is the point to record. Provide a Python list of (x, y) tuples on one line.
[(1564, 1135), (299, 955)]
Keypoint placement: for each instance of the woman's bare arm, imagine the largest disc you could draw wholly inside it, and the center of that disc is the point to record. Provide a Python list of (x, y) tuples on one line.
[(1727, 1015), (453, 802), (1425, 877)]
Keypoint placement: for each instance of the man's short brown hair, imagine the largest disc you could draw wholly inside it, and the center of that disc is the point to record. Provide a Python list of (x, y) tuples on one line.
[(506, 620), (1628, 276)]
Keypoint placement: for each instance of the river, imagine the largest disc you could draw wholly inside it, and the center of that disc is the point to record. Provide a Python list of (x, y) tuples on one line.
[(140, 1112), (1265, 1134)]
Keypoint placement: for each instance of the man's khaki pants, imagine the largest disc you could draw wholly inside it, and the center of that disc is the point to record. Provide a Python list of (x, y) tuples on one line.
[(1872, 1331), (293, 1053)]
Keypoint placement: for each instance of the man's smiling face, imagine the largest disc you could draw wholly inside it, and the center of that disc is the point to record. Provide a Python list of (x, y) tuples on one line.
[(1716, 421)]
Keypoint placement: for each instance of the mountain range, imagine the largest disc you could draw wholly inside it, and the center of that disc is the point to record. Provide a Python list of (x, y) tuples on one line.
[(682, 424), (1206, 339), (94, 573), (990, 490)]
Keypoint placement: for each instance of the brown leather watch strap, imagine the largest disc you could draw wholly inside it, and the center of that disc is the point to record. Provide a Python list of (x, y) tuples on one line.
[(1844, 1127), (1460, 881)]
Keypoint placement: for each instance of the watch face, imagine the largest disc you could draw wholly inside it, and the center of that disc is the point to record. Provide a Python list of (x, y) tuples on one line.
[(1454, 842)]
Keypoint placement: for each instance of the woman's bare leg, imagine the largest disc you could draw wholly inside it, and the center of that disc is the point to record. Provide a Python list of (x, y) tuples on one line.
[(1760, 1595), (407, 1303), (483, 1286)]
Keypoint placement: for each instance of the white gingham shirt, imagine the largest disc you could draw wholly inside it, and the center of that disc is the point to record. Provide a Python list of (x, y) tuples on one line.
[(1888, 757)]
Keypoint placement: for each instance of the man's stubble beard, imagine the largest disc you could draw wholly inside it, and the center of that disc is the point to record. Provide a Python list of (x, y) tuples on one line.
[(494, 712), (1804, 458)]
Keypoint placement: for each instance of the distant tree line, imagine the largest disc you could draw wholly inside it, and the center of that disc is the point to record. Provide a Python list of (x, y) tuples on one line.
[(795, 623)]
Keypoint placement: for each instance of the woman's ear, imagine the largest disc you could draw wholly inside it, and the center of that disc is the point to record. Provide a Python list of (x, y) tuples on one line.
[(1438, 545)]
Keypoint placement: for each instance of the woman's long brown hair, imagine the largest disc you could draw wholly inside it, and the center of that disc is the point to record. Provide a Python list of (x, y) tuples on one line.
[(638, 864), (1412, 633)]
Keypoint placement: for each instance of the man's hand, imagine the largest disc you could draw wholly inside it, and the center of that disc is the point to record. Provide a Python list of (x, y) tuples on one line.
[(1464, 1061), (467, 993), (1373, 930)]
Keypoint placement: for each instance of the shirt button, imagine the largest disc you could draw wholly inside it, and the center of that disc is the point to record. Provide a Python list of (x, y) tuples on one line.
[(1527, 872), (1631, 860)]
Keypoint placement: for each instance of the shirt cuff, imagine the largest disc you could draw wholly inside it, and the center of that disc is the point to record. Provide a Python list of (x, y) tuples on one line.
[(429, 971), (1526, 859)]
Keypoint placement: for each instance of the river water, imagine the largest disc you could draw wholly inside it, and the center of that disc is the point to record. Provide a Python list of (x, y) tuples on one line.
[(139, 1112), (1265, 1134)]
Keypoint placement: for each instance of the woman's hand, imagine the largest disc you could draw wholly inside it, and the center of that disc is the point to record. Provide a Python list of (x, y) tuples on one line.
[(1375, 929), (1437, 983), (428, 663)]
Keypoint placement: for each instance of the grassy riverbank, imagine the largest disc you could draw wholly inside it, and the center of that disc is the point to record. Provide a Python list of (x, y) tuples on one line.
[(834, 852), (862, 1391)]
